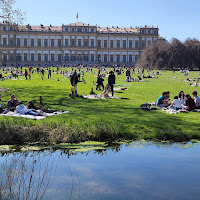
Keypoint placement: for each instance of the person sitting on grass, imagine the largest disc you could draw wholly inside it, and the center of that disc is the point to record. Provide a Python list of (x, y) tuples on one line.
[(162, 101), (105, 93), (21, 109), (189, 103), (181, 97), (196, 99), (176, 103), (92, 92), (11, 104)]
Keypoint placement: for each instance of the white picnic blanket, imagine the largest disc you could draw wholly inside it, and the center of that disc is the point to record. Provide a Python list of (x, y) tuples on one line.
[(12, 114), (98, 97)]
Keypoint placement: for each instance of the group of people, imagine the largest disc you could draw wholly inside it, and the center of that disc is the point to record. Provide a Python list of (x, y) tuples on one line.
[(182, 101), (14, 105)]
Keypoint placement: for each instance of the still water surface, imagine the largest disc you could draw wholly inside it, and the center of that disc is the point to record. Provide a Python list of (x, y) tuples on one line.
[(135, 171)]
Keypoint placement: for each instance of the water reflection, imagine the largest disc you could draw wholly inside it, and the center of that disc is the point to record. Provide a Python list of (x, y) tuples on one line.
[(139, 170)]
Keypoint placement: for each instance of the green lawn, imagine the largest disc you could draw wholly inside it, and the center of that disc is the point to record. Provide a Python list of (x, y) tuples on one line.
[(99, 119)]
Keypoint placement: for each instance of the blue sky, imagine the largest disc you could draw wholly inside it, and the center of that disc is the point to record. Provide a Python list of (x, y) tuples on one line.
[(175, 18)]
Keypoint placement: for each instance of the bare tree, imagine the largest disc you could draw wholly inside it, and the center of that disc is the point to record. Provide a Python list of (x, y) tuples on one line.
[(193, 47), (155, 55), (9, 14)]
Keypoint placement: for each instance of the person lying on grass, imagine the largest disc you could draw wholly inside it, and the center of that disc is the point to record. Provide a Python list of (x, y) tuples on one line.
[(21, 109)]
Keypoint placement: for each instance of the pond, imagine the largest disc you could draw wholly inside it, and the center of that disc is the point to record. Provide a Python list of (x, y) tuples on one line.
[(139, 170)]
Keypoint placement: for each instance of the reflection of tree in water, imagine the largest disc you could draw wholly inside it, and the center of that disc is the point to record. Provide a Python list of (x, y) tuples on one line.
[(26, 175)]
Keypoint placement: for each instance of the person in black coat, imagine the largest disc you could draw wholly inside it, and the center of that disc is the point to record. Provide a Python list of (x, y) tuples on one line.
[(99, 82), (111, 81), (74, 81)]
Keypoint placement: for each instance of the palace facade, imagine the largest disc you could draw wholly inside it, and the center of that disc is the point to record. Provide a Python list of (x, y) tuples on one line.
[(75, 43)]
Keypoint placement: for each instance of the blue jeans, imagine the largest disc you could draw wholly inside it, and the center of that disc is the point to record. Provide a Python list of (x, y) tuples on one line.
[(32, 112)]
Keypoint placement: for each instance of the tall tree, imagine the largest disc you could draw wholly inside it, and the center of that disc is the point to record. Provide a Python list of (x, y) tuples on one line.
[(9, 14), (193, 47), (155, 55)]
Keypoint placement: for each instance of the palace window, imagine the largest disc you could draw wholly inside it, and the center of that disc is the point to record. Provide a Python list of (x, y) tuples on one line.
[(39, 43), (73, 43), (66, 57), (136, 44), (142, 31), (11, 28), (79, 42), (155, 32), (143, 44), (18, 42), (72, 29), (45, 57), (59, 42), (99, 43), (111, 43), (124, 58), (92, 42), (25, 42), (52, 57), (105, 43), (32, 42), (105, 58), (4, 41), (46, 42), (124, 43), (130, 43), (85, 43), (4, 28), (149, 31), (18, 57), (32, 57), (118, 58), (92, 30), (92, 57), (130, 58), (25, 56), (86, 30), (52, 42), (5, 57), (118, 43), (66, 29), (66, 42), (79, 30), (59, 57), (111, 58), (39, 57)]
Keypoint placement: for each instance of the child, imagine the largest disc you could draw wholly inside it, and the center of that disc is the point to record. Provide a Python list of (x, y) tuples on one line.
[(176, 103)]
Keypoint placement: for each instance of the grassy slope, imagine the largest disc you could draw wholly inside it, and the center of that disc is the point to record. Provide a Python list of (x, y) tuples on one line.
[(113, 115)]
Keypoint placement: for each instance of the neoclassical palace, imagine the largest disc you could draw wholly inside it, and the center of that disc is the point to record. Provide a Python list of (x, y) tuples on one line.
[(75, 43)]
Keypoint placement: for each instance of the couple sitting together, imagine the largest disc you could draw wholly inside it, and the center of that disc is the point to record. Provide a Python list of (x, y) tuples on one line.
[(18, 107), (182, 101)]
